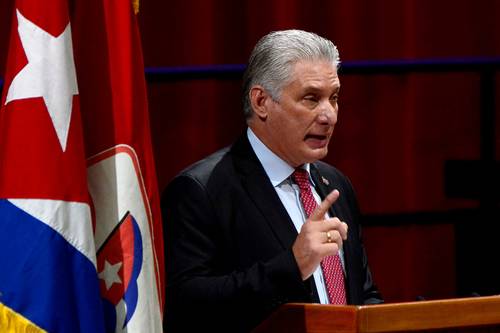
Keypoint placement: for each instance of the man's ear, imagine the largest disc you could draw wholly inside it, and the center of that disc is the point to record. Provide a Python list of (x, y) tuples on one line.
[(259, 99)]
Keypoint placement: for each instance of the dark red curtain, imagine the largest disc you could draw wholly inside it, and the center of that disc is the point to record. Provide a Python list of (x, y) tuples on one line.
[(394, 132)]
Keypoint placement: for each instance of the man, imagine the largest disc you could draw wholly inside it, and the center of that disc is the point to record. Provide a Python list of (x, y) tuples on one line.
[(263, 223)]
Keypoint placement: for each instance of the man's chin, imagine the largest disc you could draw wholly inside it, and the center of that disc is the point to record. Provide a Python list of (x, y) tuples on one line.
[(317, 154)]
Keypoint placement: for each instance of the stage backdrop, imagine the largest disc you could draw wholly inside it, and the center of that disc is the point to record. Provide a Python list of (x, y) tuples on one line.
[(394, 132)]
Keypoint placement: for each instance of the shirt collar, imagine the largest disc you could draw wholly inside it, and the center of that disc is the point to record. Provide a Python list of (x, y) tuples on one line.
[(276, 169)]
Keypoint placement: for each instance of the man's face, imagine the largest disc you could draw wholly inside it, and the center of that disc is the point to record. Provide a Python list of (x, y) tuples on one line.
[(300, 125)]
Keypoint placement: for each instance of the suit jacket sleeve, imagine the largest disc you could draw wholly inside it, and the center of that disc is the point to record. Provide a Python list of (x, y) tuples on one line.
[(206, 286)]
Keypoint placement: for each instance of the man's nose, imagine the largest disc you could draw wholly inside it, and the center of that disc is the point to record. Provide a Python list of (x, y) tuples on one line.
[(328, 113)]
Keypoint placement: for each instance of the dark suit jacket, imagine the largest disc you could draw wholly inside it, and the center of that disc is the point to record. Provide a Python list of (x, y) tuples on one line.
[(228, 243)]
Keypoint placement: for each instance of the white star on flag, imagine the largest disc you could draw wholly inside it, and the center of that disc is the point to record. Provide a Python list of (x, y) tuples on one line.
[(110, 274), (50, 73)]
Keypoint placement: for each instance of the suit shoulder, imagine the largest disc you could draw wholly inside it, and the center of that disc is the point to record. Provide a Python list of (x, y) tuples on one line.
[(202, 170)]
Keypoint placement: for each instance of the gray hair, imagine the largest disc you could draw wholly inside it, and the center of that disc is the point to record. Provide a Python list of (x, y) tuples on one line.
[(273, 57)]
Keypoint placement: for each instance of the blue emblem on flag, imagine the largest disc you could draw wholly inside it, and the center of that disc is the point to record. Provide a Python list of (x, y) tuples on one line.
[(119, 263)]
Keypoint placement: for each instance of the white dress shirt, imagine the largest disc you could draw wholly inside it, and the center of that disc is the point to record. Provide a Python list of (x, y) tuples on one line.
[(279, 173)]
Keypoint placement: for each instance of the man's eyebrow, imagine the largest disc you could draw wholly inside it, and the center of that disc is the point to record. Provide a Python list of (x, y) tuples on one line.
[(316, 89)]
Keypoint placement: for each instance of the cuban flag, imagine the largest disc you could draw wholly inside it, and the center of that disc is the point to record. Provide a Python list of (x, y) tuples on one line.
[(80, 227), (48, 276)]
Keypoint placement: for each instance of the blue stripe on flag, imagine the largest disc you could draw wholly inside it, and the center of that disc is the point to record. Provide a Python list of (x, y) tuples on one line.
[(44, 278)]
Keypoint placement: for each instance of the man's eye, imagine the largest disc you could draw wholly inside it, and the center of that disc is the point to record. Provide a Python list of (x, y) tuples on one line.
[(334, 98), (311, 99)]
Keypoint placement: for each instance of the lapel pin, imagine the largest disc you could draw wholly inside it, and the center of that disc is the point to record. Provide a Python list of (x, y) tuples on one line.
[(325, 181)]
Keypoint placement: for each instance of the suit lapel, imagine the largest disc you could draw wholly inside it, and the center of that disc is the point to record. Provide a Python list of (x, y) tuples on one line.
[(323, 186), (259, 188)]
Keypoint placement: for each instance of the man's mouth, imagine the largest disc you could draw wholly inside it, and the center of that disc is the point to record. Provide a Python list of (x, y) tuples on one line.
[(316, 140), (316, 136)]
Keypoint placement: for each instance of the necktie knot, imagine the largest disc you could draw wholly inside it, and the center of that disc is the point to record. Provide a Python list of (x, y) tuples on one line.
[(301, 178)]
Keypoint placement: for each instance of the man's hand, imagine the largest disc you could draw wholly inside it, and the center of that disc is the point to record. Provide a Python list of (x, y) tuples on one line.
[(319, 237)]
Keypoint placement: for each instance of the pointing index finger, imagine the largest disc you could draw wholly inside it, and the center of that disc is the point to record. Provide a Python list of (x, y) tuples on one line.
[(320, 211)]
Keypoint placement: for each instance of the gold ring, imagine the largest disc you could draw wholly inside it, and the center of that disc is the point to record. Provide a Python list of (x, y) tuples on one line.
[(328, 237)]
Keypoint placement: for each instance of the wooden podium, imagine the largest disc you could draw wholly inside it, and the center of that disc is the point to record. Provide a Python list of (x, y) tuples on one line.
[(478, 314)]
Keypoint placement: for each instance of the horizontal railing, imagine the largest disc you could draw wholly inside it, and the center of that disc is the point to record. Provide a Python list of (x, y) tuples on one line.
[(235, 71)]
